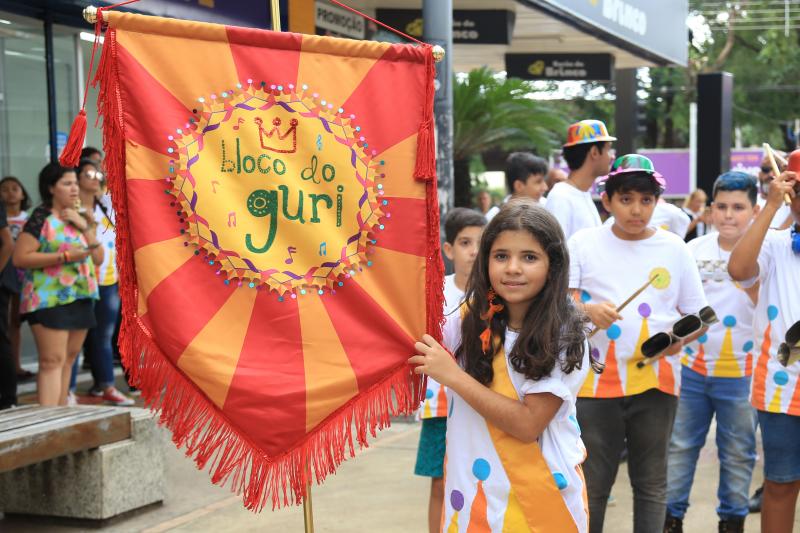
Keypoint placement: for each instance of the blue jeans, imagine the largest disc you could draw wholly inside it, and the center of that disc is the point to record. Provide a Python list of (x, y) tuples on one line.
[(105, 312), (702, 397), (100, 337)]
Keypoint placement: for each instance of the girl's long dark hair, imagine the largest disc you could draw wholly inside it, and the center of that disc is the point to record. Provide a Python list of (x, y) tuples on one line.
[(552, 325)]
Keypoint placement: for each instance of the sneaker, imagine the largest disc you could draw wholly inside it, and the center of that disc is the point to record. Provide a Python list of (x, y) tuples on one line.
[(755, 500), (72, 400), (96, 391), (673, 525), (731, 525), (115, 397)]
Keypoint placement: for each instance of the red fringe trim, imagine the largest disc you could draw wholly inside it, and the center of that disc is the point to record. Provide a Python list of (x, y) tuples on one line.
[(71, 155), (425, 168), (195, 422)]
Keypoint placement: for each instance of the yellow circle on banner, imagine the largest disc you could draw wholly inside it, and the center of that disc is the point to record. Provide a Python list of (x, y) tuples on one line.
[(277, 188), (662, 277)]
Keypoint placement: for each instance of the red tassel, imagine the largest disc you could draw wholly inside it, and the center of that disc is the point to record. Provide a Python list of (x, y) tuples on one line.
[(425, 168), (77, 135)]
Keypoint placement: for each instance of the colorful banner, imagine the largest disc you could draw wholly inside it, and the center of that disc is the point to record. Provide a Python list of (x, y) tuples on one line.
[(278, 239)]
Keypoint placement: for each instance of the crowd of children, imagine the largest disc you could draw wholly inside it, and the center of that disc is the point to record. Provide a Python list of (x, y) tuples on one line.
[(569, 344)]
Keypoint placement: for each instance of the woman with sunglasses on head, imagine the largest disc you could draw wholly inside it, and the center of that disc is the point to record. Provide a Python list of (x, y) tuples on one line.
[(58, 248), (99, 341)]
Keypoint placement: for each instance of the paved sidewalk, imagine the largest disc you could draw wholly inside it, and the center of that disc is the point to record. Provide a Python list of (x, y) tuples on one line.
[(375, 492)]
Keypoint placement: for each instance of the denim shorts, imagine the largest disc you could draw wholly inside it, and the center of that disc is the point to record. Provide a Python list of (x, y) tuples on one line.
[(780, 434)]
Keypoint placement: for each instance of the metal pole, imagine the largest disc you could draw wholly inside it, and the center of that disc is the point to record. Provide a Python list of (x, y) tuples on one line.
[(626, 111), (79, 73), (437, 16), (692, 146), (50, 71)]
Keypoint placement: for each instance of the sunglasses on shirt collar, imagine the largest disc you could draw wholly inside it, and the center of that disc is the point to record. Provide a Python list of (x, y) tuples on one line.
[(686, 326), (789, 351)]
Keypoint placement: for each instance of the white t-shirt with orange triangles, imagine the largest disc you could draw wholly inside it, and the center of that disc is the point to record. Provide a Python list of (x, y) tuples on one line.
[(726, 350), (775, 387), (495, 483), (605, 268)]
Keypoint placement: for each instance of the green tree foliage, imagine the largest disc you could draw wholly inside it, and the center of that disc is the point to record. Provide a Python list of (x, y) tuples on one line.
[(491, 111), (747, 39)]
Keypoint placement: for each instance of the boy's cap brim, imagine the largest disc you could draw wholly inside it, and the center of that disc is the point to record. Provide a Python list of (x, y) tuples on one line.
[(602, 181)]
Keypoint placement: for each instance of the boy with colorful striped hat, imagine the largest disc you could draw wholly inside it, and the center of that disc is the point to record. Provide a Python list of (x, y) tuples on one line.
[(587, 155)]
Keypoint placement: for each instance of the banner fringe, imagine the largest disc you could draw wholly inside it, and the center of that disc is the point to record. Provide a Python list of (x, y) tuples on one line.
[(195, 422), (208, 437)]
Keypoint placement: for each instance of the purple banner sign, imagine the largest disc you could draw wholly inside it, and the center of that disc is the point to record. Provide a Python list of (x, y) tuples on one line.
[(674, 166)]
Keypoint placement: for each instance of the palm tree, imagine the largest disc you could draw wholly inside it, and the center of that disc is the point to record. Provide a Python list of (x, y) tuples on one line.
[(491, 111)]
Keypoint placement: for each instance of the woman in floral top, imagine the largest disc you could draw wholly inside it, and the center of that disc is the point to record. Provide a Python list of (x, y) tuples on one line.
[(58, 247)]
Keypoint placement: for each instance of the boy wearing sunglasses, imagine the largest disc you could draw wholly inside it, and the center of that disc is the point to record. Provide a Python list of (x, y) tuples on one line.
[(772, 258), (715, 373), (627, 405)]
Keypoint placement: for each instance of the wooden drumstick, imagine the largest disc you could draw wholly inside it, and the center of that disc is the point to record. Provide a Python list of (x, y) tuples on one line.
[(629, 300), (771, 156)]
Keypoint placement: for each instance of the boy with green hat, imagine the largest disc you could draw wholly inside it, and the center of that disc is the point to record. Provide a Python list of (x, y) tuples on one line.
[(626, 404)]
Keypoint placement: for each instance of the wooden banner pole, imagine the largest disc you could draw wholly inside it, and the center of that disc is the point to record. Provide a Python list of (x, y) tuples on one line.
[(276, 15), (308, 513)]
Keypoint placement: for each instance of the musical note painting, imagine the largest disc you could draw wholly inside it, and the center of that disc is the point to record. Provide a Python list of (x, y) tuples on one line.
[(278, 236)]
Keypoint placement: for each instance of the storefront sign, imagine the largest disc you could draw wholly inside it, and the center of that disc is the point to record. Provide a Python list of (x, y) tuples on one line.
[(658, 28), (341, 22), (597, 67), (484, 26)]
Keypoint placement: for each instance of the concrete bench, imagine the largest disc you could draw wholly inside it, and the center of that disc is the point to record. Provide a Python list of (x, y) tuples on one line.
[(84, 462)]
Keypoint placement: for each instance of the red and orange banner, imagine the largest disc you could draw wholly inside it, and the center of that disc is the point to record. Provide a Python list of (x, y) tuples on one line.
[(278, 239)]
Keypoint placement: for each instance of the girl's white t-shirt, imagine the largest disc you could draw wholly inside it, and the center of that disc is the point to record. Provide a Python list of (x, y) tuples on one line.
[(471, 452), (16, 223)]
